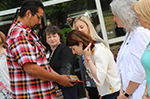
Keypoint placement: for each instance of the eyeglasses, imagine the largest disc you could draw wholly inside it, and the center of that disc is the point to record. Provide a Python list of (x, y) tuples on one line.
[(39, 17)]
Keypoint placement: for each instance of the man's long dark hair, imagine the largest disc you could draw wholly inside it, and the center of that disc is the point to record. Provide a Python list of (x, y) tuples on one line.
[(31, 5)]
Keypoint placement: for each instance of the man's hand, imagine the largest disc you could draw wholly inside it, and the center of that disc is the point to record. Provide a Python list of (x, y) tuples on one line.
[(66, 81), (39, 72)]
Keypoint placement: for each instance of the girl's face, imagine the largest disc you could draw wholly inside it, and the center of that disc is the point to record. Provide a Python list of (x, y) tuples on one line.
[(118, 21), (82, 26), (53, 40), (143, 23), (77, 49)]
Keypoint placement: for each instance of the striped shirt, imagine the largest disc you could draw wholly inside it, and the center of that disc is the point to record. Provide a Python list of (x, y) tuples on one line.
[(24, 46)]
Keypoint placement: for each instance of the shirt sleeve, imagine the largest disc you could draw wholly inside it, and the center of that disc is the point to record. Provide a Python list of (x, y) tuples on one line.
[(101, 60), (23, 49), (138, 45)]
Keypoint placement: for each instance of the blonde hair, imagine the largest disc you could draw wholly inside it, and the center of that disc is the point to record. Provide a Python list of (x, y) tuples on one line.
[(142, 8), (87, 21), (2, 38)]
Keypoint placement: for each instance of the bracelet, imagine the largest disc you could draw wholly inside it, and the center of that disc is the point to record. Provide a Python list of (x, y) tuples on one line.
[(87, 60), (145, 96)]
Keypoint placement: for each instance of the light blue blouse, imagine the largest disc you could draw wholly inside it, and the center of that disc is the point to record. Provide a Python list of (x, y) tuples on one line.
[(145, 60)]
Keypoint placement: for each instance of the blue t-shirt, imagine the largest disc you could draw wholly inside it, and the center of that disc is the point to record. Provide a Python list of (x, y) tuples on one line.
[(145, 60)]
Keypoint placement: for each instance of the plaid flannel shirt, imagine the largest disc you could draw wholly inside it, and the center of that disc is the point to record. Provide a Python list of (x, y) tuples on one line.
[(24, 46)]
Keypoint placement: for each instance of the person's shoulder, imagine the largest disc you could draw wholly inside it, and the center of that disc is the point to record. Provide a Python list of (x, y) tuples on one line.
[(100, 46), (141, 31), (98, 41), (66, 47), (17, 31), (100, 49), (62, 46)]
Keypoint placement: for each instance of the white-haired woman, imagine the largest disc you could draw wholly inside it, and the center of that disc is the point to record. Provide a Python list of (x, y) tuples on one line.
[(130, 69)]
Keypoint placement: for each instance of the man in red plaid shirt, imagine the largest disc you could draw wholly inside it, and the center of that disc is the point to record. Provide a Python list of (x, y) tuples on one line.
[(30, 75)]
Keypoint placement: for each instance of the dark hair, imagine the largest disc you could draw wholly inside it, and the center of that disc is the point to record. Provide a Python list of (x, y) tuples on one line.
[(32, 5), (75, 36), (52, 29)]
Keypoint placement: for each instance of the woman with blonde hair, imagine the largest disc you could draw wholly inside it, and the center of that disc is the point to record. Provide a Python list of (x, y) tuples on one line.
[(78, 25), (143, 10), (83, 24), (5, 90)]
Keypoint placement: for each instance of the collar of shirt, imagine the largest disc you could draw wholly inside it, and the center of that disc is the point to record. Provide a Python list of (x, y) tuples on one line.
[(17, 22)]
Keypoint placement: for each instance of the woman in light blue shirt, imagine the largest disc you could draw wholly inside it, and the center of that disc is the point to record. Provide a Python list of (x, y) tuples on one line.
[(143, 10)]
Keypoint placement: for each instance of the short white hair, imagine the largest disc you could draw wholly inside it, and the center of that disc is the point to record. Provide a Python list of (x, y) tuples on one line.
[(123, 10)]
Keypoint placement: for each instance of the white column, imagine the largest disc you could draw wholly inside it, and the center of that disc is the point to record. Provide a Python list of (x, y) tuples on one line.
[(102, 23)]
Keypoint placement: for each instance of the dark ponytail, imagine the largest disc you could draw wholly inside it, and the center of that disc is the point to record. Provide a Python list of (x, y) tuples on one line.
[(17, 11), (32, 5)]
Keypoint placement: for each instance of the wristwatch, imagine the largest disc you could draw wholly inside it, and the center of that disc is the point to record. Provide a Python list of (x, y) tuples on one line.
[(126, 94)]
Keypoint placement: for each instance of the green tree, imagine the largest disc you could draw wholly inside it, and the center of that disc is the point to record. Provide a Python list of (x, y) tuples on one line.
[(9, 4)]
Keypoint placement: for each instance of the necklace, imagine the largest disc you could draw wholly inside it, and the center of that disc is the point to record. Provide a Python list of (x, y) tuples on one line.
[(50, 56)]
